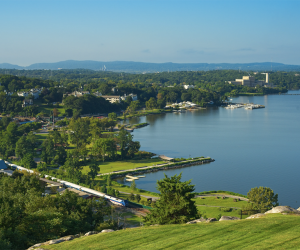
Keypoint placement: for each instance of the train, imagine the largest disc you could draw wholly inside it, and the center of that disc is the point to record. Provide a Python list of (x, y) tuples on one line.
[(67, 184)]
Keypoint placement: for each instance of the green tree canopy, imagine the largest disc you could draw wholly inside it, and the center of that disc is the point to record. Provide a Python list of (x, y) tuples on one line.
[(175, 204), (263, 198)]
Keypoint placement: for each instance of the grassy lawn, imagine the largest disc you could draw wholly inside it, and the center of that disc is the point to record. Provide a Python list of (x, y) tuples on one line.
[(214, 212), (106, 167), (272, 232), (41, 137), (213, 201), (47, 108)]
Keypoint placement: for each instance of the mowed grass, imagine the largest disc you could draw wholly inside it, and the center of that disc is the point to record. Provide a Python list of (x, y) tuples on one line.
[(226, 202), (107, 167), (271, 232), (47, 108)]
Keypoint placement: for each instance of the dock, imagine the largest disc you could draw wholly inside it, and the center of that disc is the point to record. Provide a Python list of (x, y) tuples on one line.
[(165, 158)]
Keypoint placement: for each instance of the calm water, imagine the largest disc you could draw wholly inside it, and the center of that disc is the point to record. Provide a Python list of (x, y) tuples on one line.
[(251, 147)]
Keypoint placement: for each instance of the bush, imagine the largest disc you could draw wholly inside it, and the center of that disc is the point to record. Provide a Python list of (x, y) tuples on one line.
[(225, 209), (131, 197)]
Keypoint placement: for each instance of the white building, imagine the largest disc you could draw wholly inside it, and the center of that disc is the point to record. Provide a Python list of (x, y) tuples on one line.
[(112, 98), (133, 96), (188, 86), (34, 92)]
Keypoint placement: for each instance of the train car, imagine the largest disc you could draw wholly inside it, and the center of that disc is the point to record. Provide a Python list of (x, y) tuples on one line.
[(112, 199)]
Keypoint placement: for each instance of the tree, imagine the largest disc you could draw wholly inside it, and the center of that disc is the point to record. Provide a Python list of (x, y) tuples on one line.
[(47, 150), (175, 204), (151, 104), (138, 198), (263, 198), (133, 185), (103, 147), (131, 197), (28, 161), (69, 112), (112, 116), (124, 139), (109, 180), (21, 147), (94, 170)]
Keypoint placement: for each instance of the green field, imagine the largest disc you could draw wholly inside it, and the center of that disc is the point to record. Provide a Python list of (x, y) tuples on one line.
[(107, 167), (47, 108), (272, 232), (213, 201)]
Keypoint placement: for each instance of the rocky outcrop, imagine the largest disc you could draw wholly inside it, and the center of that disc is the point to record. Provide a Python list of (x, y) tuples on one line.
[(254, 216), (282, 209), (228, 218), (66, 238), (211, 220), (91, 232), (107, 230), (197, 221)]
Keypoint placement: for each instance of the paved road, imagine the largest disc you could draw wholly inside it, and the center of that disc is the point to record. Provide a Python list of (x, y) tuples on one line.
[(145, 196)]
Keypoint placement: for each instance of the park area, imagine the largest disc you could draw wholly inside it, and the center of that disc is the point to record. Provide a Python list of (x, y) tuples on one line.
[(275, 231)]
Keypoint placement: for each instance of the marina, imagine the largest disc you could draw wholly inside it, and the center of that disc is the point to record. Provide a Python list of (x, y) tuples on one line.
[(248, 106)]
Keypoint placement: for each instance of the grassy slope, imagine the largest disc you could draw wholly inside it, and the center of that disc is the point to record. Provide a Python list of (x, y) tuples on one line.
[(272, 232)]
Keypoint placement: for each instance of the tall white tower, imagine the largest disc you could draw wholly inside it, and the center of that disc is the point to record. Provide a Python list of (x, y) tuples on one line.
[(267, 77)]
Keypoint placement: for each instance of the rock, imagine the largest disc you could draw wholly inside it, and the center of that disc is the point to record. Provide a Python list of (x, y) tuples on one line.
[(51, 242), (91, 232), (67, 238), (197, 221), (211, 220), (76, 235), (255, 216), (298, 209), (34, 246), (107, 230), (282, 209), (228, 218)]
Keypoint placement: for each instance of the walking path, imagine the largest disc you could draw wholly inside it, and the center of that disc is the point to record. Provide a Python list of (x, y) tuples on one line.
[(222, 195), (154, 166)]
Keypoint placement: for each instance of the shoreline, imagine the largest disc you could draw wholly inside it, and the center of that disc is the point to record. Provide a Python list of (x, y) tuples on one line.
[(149, 169)]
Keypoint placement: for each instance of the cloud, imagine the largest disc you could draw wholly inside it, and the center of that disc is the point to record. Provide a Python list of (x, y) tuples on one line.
[(146, 51)]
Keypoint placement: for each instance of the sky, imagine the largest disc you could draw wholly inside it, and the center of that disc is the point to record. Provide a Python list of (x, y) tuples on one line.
[(178, 31)]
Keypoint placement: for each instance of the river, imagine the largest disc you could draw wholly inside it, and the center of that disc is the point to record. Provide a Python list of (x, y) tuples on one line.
[(252, 148)]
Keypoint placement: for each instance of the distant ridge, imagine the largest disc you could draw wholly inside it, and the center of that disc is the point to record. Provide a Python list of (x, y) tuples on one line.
[(140, 67)]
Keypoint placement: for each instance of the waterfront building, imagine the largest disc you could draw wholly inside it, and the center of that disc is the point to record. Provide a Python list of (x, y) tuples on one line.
[(250, 81)]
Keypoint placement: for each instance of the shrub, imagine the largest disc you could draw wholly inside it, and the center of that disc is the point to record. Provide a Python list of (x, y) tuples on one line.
[(225, 209)]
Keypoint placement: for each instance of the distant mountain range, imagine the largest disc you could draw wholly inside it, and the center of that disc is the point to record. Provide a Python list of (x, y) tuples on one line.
[(140, 67)]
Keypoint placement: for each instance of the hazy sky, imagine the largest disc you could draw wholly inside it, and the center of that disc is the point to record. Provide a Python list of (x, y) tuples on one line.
[(212, 31)]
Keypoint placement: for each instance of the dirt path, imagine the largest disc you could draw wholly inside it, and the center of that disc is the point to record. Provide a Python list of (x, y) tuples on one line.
[(217, 206)]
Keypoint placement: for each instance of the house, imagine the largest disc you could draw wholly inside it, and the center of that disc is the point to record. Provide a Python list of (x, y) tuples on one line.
[(133, 96), (34, 92), (27, 102), (2, 165), (188, 86), (112, 98)]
